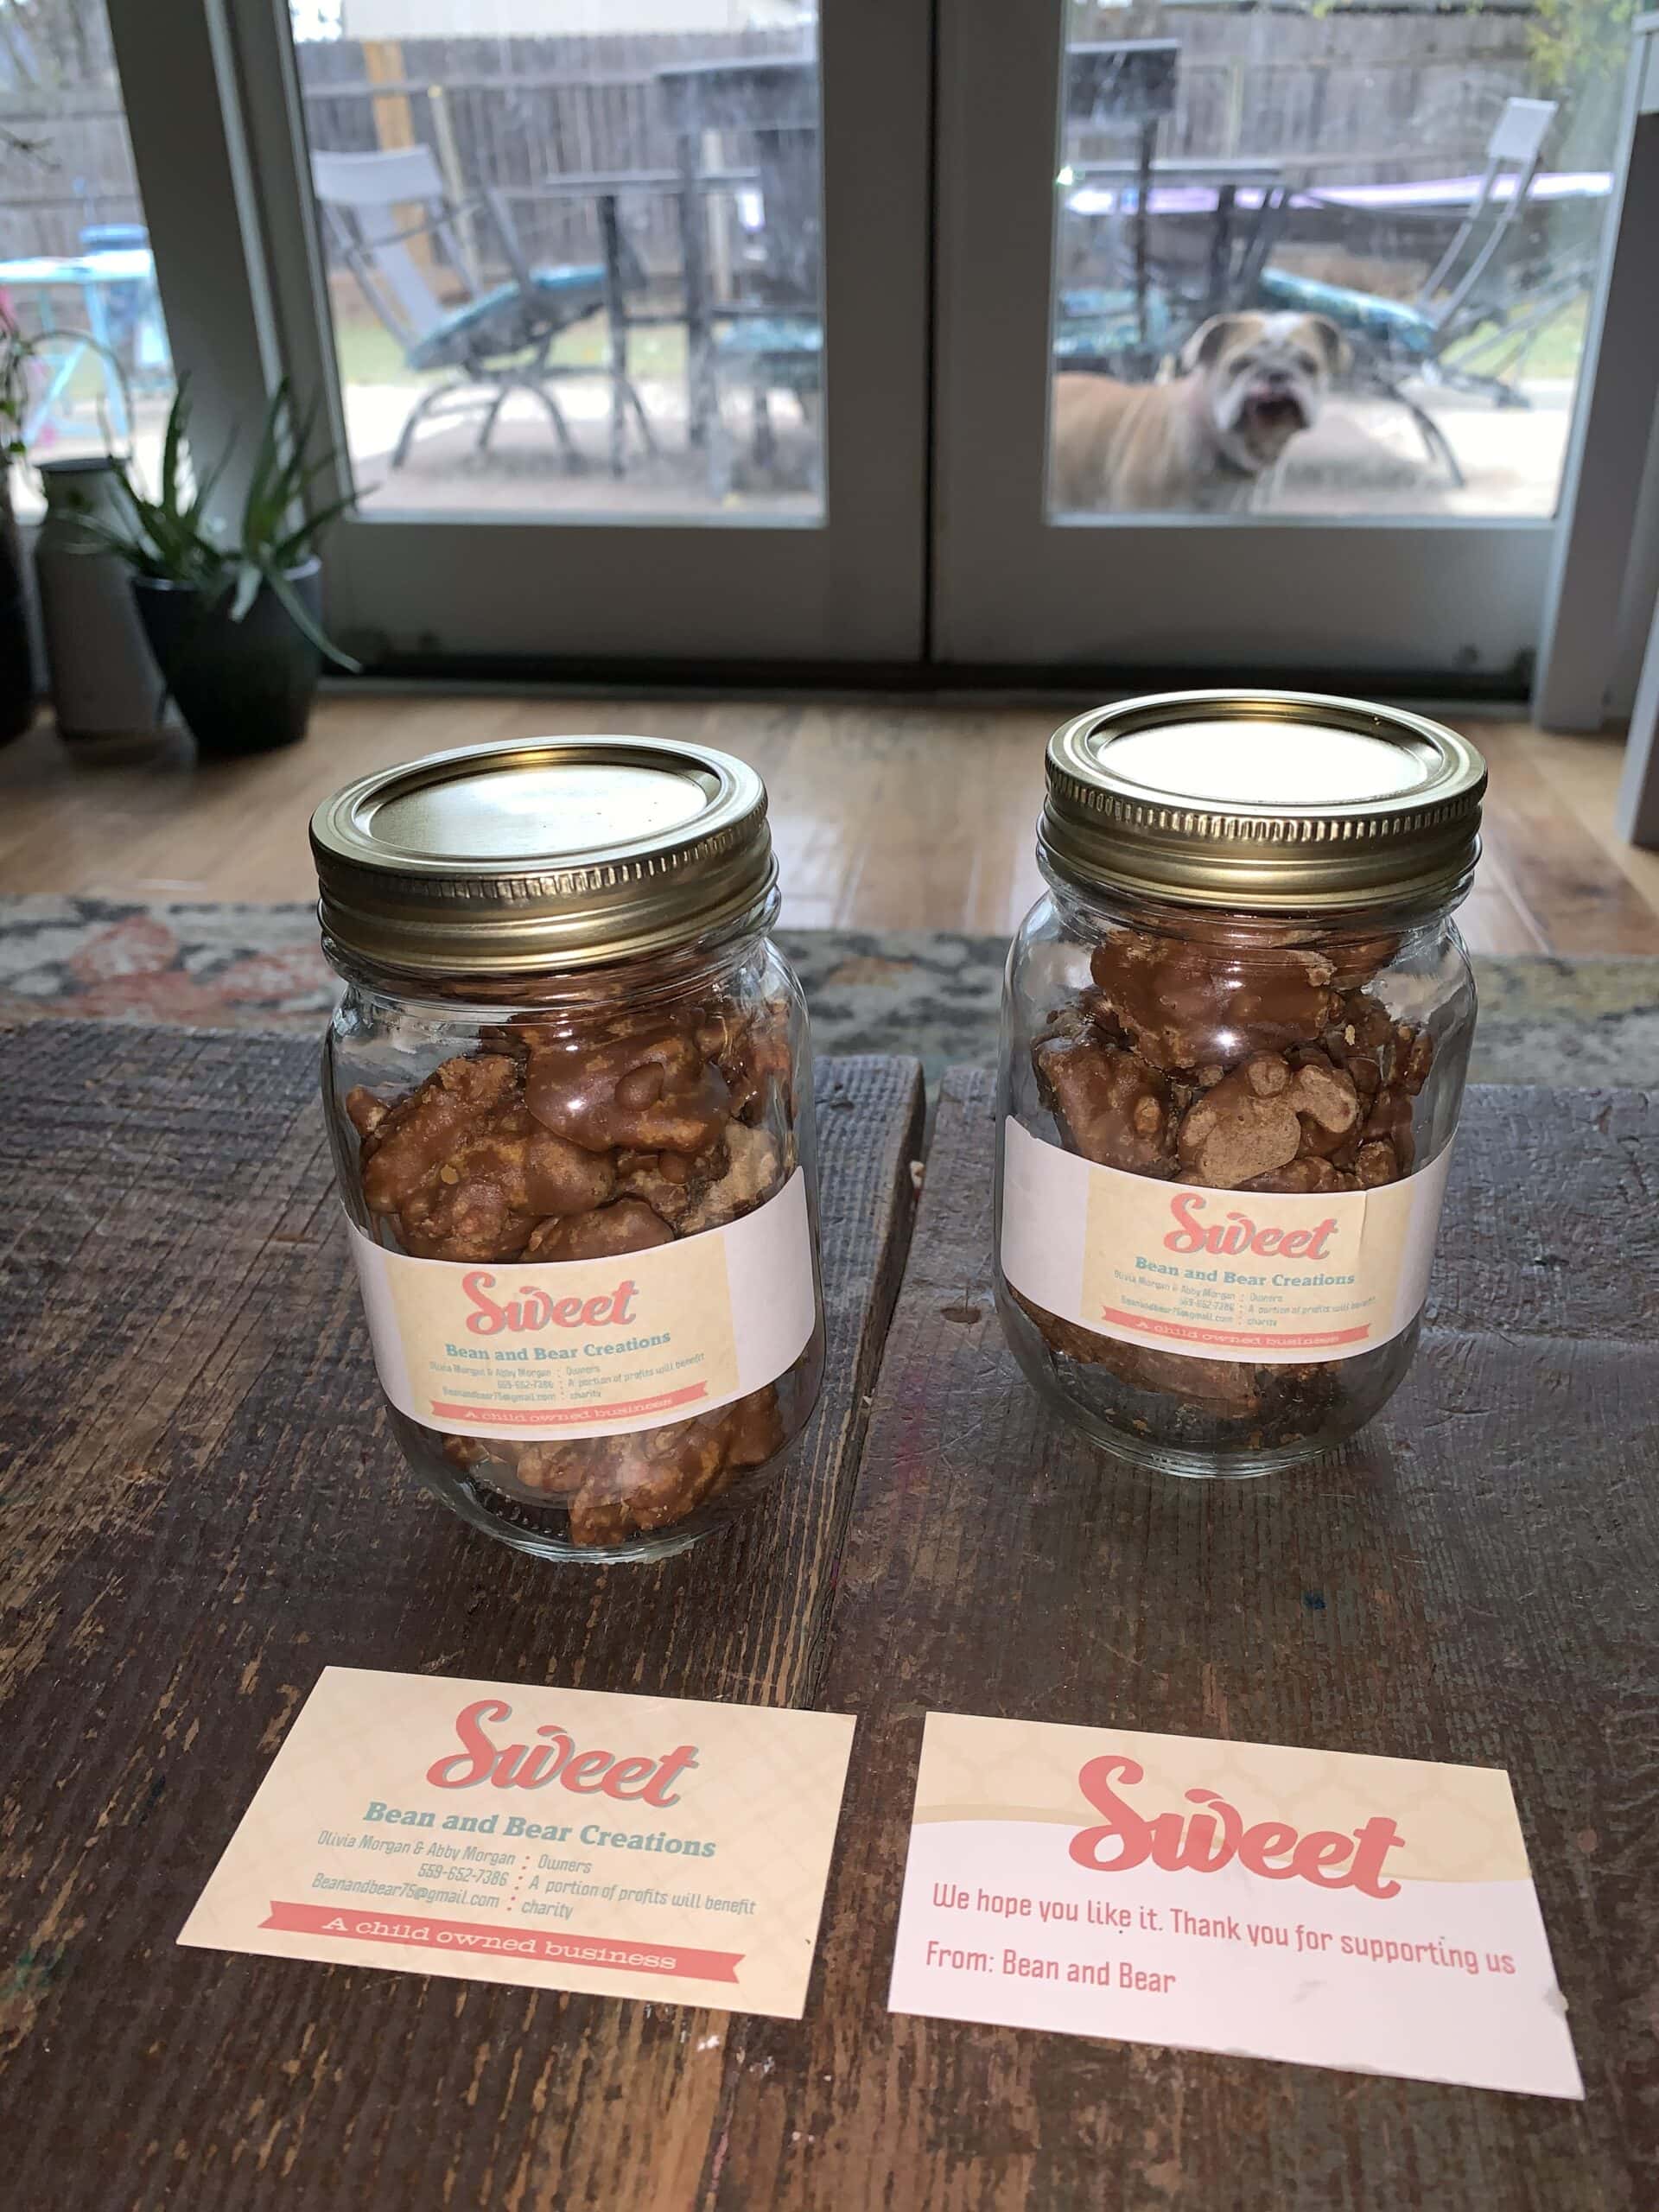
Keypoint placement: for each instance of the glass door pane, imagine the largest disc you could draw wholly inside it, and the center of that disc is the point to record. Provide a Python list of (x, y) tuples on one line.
[(78, 277), (573, 254), (620, 309), (1358, 245), (1271, 320)]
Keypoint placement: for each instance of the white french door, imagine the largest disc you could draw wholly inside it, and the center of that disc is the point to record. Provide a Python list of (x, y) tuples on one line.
[(1103, 195), (790, 321), (617, 312)]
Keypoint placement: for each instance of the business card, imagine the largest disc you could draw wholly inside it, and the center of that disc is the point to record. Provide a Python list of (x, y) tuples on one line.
[(1376, 1915), (629, 1847)]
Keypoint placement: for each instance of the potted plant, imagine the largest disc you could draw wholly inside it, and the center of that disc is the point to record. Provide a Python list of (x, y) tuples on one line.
[(236, 627)]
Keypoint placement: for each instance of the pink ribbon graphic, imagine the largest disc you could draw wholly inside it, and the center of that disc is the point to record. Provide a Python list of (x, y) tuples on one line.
[(567, 1416), (1189, 1333), (488, 1939)]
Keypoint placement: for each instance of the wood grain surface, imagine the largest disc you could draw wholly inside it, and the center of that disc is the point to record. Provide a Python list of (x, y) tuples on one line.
[(1473, 1580), (203, 1512), (886, 815), (202, 1509)]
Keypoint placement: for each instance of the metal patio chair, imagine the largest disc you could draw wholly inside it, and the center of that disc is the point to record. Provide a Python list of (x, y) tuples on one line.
[(1470, 299), (493, 340), (767, 336)]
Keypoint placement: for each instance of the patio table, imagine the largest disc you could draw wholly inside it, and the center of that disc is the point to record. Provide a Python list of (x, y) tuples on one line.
[(204, 1509), (1220, 189), (91, 277), (1199, 194), (1432, 194), (607, 189), (774, 102)]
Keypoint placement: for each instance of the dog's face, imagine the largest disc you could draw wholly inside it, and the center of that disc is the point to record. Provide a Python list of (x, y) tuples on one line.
[(1264, 378)]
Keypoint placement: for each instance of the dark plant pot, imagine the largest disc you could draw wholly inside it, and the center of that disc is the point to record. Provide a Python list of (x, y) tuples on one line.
[(17, 694), (242, 687)]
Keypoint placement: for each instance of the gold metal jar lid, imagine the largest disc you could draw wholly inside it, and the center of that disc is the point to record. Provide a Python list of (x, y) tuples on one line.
[(1271, 801), (549, 853)]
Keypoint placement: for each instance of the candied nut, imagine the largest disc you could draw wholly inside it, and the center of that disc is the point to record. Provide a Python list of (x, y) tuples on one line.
[(1116, 1108), (614, 1485), (365, 1111), (1356, 960), (756, 1428), (628, 1226), (1327, 1099), (751, 1051), (656, 1477), (1224, 1385), (671, 1183), (554, 1470), (1413, 1057), (1377, 1163), (1360, 1040), (539, 1175), (1245, 1127), (665, 1473), (1187, 1004), (462, 1221), (1390, 1123), (653, 1092), (1306, 1176), (598, 1516), (753, 1173), (457, 1102)]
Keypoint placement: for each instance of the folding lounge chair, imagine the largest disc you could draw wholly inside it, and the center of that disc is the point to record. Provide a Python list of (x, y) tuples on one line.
[(493, 340), (1469, 290)]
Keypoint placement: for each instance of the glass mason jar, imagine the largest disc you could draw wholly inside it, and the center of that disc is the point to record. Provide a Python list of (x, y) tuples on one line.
[(1235, 1034), (569, 1095)]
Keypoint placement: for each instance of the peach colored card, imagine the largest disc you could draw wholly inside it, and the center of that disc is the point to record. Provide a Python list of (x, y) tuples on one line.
[(630, 1846), (1372, 1914)]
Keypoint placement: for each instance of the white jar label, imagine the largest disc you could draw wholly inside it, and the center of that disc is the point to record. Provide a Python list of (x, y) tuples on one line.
[(593, 1347), (1258, 1277)]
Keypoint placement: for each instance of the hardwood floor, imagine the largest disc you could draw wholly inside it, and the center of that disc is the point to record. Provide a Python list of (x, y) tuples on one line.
[(913, 815)]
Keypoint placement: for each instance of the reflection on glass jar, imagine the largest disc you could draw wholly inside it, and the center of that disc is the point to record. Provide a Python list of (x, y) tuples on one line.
[(1235, 1037), (568, 1090)]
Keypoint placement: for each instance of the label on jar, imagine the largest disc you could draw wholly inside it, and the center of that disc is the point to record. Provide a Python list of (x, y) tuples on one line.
[(593, 1347), (1264, 1278)]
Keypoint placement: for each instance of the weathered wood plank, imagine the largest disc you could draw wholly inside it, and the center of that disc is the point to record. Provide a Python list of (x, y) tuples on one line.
[(202, 1508), (1471, 1581)]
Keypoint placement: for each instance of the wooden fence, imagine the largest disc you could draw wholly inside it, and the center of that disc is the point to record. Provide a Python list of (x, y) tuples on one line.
[(1346, 95), (517, 114)]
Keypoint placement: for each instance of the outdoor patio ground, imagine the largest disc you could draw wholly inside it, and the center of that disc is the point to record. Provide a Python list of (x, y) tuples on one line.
[(1364, 457)]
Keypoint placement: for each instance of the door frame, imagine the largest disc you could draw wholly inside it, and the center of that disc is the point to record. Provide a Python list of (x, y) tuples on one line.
[(1441, 604), (239, 264)]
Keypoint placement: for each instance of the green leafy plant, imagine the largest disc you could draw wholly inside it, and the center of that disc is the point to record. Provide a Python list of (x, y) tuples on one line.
[(177, 537)]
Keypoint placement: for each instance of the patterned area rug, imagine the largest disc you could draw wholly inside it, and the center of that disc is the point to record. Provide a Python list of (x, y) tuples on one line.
[(1585, 1021)]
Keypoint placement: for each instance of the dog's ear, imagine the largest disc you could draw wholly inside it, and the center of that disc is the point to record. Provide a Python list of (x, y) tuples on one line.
[(1208, 342), (1338, 354)]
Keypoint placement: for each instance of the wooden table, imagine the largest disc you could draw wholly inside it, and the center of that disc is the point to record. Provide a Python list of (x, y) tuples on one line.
[(203, 1509)]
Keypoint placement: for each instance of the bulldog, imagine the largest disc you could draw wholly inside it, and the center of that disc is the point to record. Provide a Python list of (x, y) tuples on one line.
[(1211, 439)]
